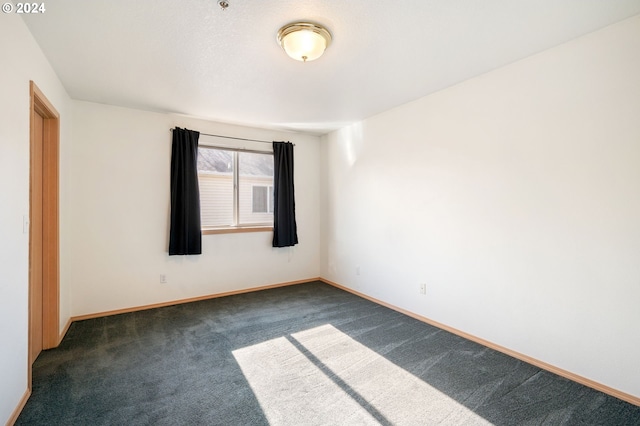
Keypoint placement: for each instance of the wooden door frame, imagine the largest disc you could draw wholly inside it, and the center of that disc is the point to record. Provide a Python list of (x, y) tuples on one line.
[(39, 104)]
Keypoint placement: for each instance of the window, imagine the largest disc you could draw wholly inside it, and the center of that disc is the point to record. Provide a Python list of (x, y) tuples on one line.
[(236, 188), (262, 199)]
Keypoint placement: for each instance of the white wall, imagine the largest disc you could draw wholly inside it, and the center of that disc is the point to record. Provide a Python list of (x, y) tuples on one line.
[(515, 196), (120, 215), (22, 61)]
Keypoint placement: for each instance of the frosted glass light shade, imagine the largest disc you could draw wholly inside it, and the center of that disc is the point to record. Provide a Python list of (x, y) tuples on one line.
[(304, 41)]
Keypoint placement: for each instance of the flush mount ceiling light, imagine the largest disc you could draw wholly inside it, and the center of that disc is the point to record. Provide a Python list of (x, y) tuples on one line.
[(304, 41)]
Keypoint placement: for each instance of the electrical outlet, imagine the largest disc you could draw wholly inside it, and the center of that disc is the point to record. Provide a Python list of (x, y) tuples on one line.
[(358, 270), (163, 279), (423, 288)]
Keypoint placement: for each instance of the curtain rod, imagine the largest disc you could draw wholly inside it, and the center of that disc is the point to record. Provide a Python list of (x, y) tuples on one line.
[(231, 137)]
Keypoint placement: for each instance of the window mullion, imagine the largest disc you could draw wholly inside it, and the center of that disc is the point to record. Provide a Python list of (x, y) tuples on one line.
[(236, 190)]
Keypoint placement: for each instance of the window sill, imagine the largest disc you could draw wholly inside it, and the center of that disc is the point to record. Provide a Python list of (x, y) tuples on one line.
[(238, 229)]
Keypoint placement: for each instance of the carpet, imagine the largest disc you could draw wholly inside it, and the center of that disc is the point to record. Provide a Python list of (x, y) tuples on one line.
[(308, 354)]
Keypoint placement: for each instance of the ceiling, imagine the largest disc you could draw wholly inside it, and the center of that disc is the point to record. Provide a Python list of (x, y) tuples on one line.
[(191, 57)]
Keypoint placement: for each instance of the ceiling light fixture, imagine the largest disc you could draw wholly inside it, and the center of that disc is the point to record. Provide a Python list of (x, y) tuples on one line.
[(304, 41)]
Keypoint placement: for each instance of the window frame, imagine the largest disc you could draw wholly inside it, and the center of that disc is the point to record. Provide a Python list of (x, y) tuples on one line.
[(236, 227)]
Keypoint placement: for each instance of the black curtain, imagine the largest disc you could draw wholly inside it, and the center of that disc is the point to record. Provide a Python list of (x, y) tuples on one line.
[(285, 232), (185, 236)]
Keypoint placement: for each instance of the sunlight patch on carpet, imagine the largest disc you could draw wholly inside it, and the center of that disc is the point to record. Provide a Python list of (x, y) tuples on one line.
[(323, 376)]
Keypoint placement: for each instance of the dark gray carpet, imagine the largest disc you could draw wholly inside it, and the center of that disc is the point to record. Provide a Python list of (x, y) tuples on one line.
[(300, 355)]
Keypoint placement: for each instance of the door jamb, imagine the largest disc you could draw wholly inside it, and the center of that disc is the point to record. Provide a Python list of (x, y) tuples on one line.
[(39, 104)]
